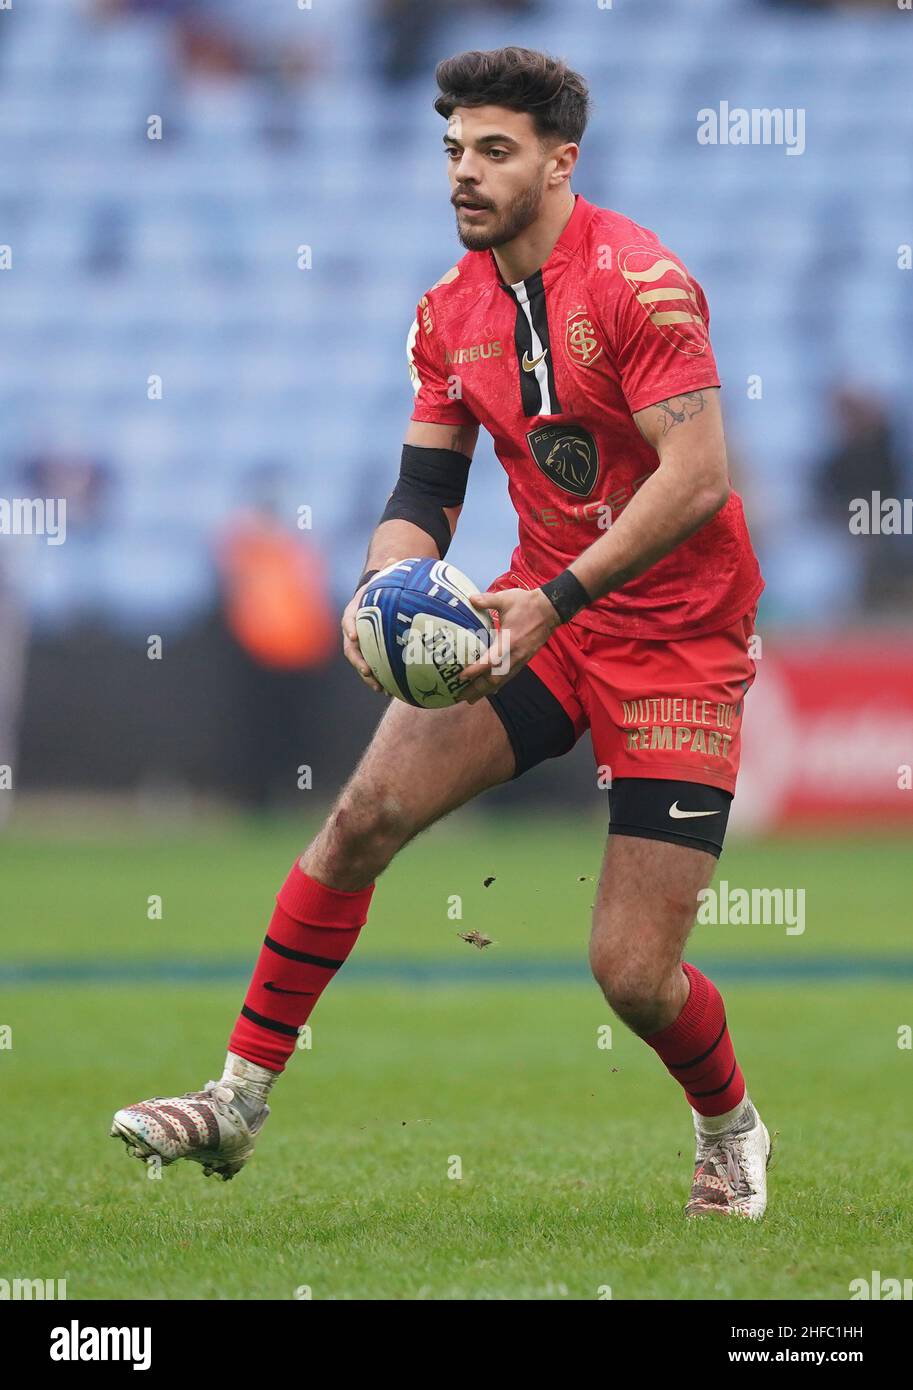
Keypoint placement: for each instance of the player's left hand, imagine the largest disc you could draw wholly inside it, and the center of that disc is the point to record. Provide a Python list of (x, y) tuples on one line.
[(527, 620)]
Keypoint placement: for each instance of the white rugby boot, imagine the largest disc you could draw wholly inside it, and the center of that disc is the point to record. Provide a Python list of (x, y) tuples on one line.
[(730, 1171), (211, 1127)]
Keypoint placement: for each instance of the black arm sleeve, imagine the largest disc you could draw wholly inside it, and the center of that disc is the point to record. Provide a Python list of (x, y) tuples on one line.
[(429, 480)]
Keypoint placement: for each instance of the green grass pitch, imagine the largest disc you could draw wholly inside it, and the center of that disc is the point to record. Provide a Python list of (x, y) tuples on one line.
[(575, 1160)]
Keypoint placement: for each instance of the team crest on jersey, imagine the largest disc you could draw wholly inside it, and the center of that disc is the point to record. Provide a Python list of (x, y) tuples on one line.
[(667, 296), (580, 340), (566, 454)]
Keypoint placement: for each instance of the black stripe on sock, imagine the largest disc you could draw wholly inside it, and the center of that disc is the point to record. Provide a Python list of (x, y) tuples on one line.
[(272, 1024), (683, 1066), (302, 956), (717, 1089)]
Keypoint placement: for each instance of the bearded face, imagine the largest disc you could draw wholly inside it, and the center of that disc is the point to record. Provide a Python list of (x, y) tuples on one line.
[(498, 169), (499, 224)]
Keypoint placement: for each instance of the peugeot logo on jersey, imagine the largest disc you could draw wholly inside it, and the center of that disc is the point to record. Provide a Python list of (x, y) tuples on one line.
[(566, 454)]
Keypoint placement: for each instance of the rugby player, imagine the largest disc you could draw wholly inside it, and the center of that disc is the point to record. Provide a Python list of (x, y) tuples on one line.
[(580, 343)]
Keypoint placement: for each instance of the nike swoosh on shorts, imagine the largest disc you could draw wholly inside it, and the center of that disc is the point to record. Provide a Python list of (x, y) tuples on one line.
[(676, 814)]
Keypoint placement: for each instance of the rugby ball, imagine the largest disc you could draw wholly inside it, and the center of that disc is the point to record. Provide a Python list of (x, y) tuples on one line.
[(417, 630)]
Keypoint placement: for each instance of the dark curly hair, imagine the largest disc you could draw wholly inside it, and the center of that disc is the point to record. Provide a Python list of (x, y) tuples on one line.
[(521, 79)]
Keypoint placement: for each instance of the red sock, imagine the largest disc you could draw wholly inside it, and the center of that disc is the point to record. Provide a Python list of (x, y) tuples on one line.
[(311, 933), (697, 1049)]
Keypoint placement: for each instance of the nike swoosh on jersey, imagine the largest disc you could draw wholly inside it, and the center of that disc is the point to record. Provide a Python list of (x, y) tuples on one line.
[(677, 814), (530, 364), (277, 989)]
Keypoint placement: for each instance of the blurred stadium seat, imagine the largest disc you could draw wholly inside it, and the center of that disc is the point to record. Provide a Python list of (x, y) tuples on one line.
[(178, 257)]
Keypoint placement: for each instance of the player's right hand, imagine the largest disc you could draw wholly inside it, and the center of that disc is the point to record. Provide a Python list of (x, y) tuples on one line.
[(350, 647)]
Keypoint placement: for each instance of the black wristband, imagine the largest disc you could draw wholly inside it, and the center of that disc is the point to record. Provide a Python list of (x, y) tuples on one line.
[(368, 574), (566, 594)]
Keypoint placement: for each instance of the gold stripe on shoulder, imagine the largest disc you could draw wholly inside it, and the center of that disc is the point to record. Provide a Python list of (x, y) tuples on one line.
[(448, 275)]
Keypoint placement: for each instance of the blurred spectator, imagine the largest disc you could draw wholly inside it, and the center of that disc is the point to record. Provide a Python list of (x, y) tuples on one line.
[(82, 481), (65, 580), (864, 461), (13, 645), (282, 629), (211, 46), (832, 4), (408, 28)]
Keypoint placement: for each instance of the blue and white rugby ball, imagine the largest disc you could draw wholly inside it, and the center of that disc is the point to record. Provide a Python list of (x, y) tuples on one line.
[(417, 630)]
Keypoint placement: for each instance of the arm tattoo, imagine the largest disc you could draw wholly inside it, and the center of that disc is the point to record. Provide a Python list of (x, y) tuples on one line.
[(677, 409)]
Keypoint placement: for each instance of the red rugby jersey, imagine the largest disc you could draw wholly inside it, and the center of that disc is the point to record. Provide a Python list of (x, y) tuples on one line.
[(553, 367)]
